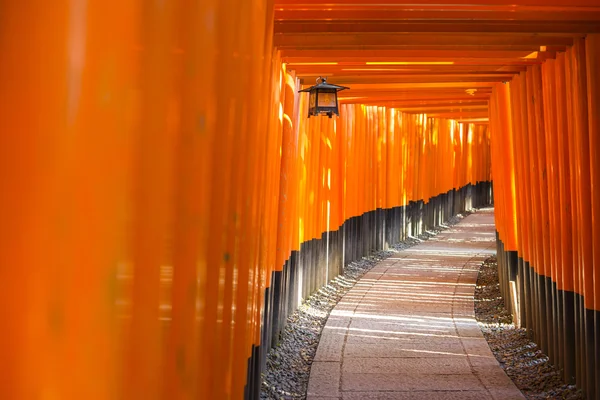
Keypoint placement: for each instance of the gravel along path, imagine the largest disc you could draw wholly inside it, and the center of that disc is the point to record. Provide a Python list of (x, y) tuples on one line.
[(288, 364), (523, 362)]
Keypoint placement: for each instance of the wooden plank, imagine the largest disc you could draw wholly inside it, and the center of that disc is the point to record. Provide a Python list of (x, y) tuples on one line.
[(420, 52), (459, 114), (476, 50), (333, 3), (422, 86), (428, 26), (363, 40), (565, 14), (366, 79), (442, 109), (474, 76)]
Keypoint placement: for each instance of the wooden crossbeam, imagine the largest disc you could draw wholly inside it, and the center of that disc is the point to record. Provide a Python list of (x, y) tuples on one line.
[(437, 57), (352, 80), (569, 14), (472, 3), (416, 52), (428, 26), (365, 40)]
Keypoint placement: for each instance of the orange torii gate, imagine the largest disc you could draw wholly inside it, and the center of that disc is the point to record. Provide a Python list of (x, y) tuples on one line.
[(546, 163)]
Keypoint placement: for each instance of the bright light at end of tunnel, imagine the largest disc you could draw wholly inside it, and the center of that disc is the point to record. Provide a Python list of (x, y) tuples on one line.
[(409, 63)]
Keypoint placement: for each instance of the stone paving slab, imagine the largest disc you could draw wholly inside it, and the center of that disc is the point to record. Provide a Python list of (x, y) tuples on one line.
[(417, 395), (407, 329), (408, 382), (326, 381)]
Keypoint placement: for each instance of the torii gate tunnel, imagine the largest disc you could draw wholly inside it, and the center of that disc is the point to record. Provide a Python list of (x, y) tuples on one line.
[(165, 203)]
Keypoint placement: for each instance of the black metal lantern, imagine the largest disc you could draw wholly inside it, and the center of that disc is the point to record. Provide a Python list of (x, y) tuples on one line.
[(323, 98)]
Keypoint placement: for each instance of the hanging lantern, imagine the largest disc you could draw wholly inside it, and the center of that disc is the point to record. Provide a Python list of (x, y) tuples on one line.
[(323, 98)]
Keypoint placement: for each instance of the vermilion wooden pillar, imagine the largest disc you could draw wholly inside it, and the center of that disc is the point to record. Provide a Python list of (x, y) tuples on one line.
[(592, 51)]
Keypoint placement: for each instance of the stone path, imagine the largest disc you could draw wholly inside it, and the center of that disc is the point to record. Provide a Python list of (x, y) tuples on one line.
[(407, 329)]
